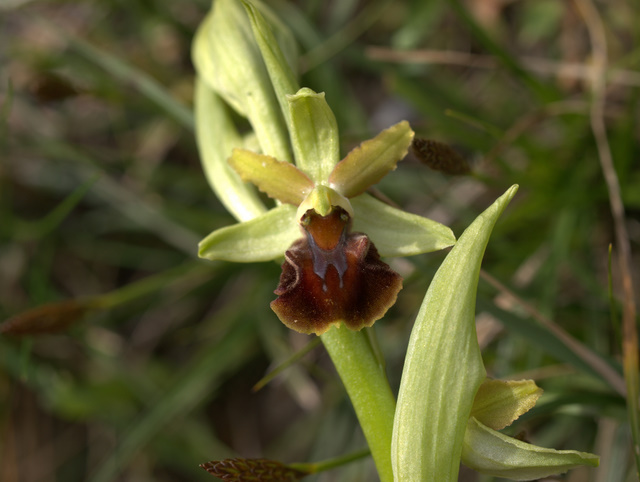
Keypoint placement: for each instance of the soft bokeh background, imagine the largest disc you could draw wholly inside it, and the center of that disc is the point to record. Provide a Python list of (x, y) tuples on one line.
[(102, 194)]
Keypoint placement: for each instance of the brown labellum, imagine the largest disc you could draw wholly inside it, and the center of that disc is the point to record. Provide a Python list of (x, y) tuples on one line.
[(439, 157), (253, 470), (332, 276)]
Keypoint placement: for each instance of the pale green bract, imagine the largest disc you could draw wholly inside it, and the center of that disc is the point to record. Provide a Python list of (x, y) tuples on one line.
[(217, 136), (493, 453), (433, 428), (499, 402)]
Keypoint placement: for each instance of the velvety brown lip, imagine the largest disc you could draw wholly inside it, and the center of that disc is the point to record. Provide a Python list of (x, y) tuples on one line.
[(332, 276)]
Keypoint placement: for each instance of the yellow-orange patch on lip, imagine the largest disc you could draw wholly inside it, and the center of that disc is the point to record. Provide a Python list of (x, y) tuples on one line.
[(326, 231)]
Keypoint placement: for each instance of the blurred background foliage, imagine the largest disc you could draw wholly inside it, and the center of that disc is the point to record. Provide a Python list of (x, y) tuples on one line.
[(102, 201)]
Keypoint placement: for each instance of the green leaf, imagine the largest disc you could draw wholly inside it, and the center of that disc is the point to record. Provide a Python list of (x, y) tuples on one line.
[(544, 91), (227, 57), (493, 453), (365, 165), (443, 367), (130, 76), (396, 232), (278, 55), (52, 220), (499, 402), (217, 136), (280, 180), (264, 238), (314, 134), (190, 388)]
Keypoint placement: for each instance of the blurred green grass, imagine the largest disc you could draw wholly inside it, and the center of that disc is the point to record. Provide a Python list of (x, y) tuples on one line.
[(101, 189)]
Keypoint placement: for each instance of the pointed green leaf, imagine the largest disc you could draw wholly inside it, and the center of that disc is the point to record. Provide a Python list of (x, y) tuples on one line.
[(227, 57), (396, 232), (264, 238), (314, 134), (499, 402), (278, 56), (493, 453), (279, 180), (365, 165), (443, 367), (217, 136)]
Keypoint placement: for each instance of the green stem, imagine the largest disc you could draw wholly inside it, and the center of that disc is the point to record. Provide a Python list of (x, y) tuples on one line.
[(329, 464), (286, 364), (147, 285), (368, 389)]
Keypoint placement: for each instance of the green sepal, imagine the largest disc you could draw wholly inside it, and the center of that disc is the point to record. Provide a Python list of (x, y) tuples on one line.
[(227, 57), (365, 165), (499, 402), (278, 56), (217, 136), (314, 134), (264, 238), (443, 366), (493, 453), (396, 232), (279, 180)]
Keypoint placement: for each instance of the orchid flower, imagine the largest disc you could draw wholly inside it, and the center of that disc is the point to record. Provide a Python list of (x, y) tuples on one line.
[(332, 234), (330, 274)]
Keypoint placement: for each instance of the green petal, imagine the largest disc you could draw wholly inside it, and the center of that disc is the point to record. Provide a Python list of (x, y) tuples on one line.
[(314, 134), (365, 165), (264, 238), (398, 233), (499, 402), (443, 367), (493, 453), (217, 136), (227, 57), (279, 180)]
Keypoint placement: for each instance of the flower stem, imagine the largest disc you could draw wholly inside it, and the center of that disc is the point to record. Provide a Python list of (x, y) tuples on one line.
[(316, 467), (369, 391)]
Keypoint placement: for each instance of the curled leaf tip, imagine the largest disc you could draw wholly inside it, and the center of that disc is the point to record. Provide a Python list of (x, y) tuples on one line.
[(332, 276), (499, 402), (494, 453)]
